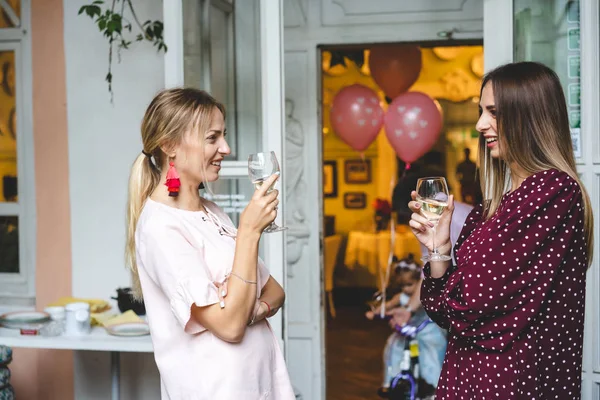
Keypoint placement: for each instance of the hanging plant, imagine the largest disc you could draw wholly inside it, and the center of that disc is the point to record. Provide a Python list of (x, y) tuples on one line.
[(113, 24)]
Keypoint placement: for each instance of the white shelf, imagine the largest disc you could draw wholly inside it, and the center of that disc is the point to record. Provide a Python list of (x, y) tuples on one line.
[(97, 340)]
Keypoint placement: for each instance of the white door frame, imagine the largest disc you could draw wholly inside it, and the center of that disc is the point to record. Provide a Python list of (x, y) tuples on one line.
[(271, 49), (304, 46)]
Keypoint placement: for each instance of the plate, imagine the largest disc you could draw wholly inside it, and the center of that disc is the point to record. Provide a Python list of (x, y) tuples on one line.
[(129, 329), (20, 319)]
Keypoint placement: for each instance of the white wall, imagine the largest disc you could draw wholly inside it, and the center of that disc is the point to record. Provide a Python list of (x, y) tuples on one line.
[(104, 139)]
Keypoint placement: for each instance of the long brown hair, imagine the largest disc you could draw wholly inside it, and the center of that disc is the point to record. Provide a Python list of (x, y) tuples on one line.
[(169, 116), (533, 132)]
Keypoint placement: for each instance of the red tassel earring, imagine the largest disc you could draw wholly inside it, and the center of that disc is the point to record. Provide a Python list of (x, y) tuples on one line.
[(173, 183)]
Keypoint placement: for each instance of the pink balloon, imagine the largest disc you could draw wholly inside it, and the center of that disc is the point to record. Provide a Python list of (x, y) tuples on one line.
[(412, 125), (356, 116)]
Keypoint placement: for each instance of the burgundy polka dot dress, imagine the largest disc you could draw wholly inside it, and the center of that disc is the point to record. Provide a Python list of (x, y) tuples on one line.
[(514, 305)]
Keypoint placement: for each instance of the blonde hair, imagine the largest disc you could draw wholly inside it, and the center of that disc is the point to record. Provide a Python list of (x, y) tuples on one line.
[(533, 132), (169, 116)]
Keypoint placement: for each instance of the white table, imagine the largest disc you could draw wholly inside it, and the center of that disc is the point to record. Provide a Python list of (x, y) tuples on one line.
[(97, 340), (372, 249)]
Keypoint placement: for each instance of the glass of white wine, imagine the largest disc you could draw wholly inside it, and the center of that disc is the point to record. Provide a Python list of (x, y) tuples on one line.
[(432, 195), (260, 167)]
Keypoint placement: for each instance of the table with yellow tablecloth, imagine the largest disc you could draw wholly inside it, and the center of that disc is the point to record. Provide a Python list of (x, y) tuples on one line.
[(372, 249)]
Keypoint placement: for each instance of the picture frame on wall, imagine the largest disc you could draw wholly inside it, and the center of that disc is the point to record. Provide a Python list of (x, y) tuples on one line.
[(355, 200), (330, 186), (357, 171)]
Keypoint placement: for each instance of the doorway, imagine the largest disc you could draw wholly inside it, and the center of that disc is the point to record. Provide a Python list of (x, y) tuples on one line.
[(366, 187)]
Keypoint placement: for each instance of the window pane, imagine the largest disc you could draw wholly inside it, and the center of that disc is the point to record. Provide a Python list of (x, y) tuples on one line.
[(225, 60), (8, 128), (10, 17), (231, 194), (9, 244), (548, 32)]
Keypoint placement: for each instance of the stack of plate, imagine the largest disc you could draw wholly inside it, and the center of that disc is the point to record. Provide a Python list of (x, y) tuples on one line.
[(24, 319), (129, 329)]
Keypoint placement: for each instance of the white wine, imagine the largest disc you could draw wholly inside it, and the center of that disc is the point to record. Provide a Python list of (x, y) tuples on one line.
[(432, 209), (259, 182)]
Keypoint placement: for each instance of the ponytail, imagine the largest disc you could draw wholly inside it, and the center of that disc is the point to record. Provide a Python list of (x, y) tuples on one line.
[(144, 177), (169, 116)]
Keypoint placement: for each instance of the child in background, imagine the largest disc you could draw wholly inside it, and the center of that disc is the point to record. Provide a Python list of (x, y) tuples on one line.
[(404, 308)]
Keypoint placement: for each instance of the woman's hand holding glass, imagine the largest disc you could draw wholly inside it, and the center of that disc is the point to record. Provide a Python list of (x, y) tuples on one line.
[(422, 228), (260, 167), (261, 211)]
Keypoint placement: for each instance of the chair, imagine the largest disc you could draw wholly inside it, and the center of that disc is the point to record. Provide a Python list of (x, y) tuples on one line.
[(332, 248)]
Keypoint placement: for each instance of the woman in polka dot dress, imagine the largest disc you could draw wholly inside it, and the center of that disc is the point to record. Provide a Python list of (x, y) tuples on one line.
[(514, 304)]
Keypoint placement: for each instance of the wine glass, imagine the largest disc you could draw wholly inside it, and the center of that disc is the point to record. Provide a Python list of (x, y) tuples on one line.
[(432, 195), (260, 167)]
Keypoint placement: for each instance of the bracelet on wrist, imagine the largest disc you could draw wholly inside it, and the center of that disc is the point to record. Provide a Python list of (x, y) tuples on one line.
[(268, 308), (242, 279)]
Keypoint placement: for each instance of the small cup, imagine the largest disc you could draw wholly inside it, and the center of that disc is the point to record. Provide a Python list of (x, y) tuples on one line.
[(55, 327), (56, 313), (77, 321)]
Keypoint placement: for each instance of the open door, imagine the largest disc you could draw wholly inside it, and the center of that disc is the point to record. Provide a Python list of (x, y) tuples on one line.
[(233, 49), (563, 35)]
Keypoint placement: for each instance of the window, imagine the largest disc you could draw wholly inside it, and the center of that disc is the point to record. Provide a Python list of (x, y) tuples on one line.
[(16, 155)]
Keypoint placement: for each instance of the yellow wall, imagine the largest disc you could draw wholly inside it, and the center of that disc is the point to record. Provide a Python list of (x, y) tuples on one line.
[(8, 147), (448, 73)]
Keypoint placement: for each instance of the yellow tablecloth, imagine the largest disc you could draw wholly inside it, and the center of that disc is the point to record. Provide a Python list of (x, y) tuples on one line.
[(372, 250)]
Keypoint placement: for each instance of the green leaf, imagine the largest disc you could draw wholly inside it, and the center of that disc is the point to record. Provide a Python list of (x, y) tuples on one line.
[(82, 9), (102, 24), (108, 77), (98, 2), (140, 37), (112, 26), (158, 28), (91, 11)]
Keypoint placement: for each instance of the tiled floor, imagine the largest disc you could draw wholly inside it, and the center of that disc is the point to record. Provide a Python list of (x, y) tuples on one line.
[(354, 347)]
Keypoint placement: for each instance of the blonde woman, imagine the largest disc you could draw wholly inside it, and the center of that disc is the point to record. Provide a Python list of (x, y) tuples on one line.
[(206, 292), (514, 302)]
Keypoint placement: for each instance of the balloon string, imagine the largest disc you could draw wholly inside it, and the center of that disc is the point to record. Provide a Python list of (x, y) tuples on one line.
[(385, 276), (406, 168)]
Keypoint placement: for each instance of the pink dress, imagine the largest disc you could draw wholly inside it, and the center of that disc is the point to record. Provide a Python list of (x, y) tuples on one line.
[(180, 254)]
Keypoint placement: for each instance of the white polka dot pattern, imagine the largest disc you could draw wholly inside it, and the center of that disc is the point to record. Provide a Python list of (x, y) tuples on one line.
[(515, 304)]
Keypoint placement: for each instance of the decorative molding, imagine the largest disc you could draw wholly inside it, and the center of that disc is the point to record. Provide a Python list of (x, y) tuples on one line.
[(295, 188), (357, 7), (350, 12), (294, 13), (456, 85)]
